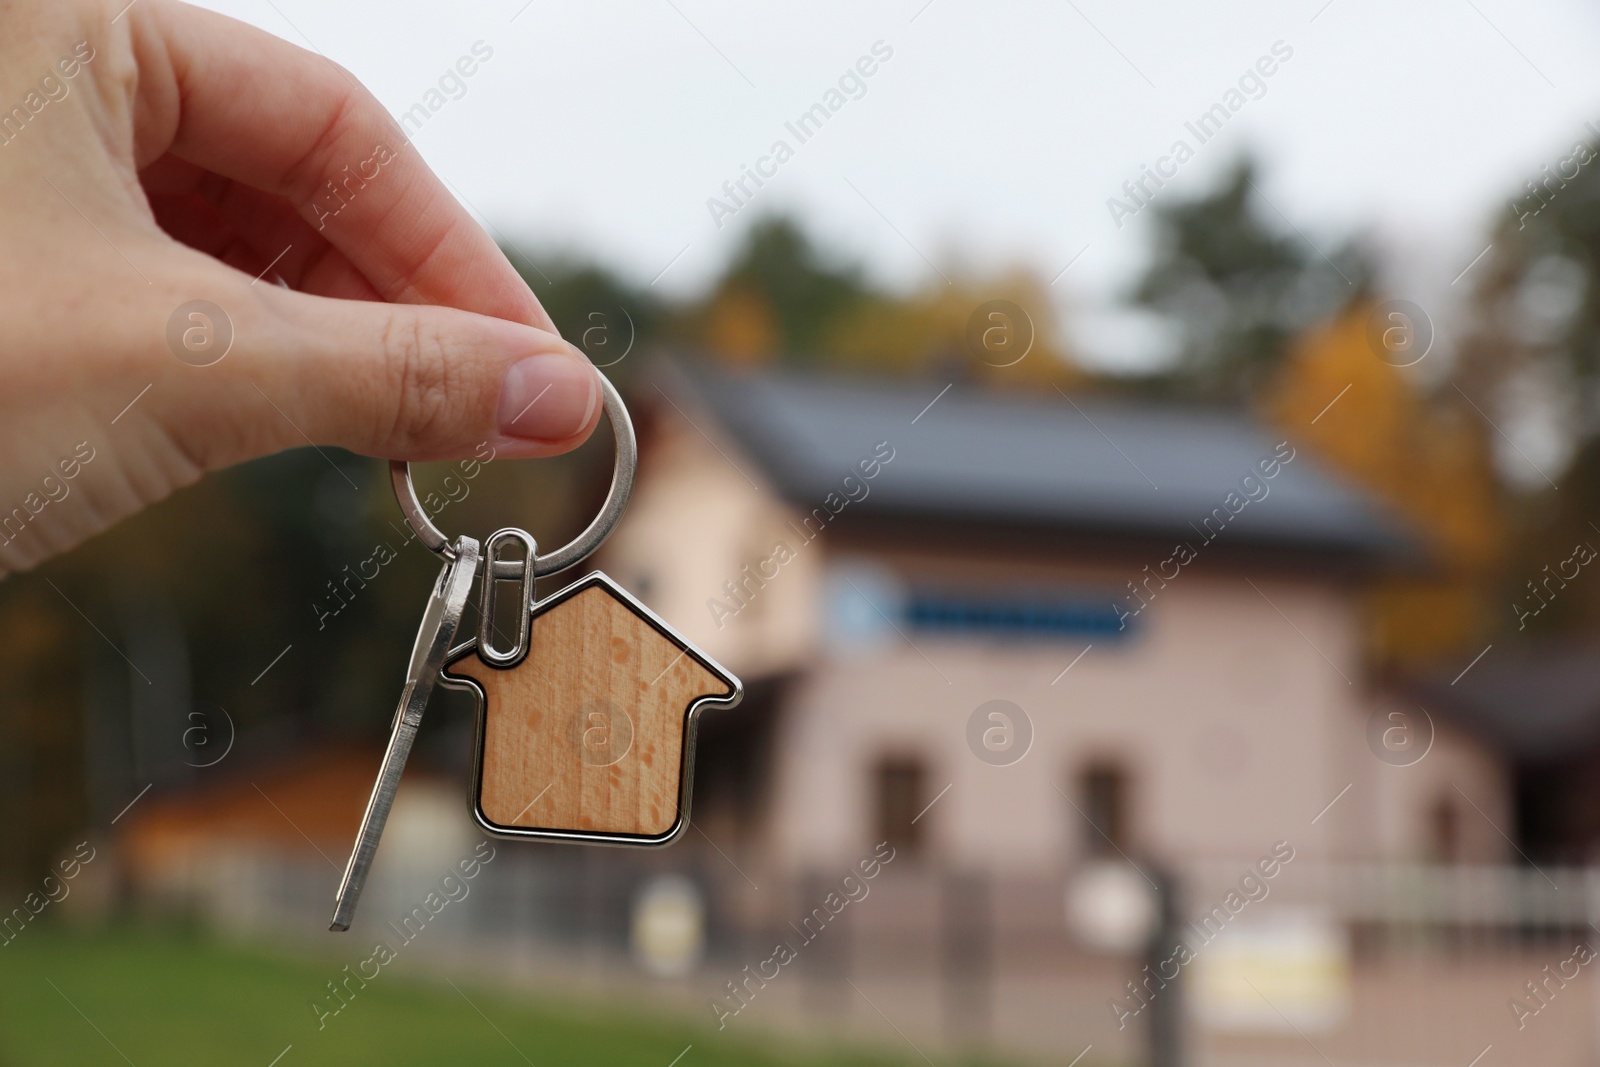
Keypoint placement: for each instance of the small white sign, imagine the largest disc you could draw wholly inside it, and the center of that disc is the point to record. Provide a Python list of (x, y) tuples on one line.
[(1279, 970), (669, 926), (1111, 908)]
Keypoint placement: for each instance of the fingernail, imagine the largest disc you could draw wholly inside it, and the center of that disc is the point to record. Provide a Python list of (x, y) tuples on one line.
[(548, 397)]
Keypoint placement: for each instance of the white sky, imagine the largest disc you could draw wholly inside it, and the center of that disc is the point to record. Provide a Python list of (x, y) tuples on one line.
[(995, 133)]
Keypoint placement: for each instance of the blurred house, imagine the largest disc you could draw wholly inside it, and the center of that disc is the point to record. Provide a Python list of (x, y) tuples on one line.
[(1166, 602), (253, 850), (1023, 639)]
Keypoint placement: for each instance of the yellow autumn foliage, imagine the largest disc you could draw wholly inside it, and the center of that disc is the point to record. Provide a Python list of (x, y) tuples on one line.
[(1427, 460), (740, 327), (963, 329)]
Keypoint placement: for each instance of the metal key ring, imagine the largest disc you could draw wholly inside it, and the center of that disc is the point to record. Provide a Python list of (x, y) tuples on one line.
[(616, 502)]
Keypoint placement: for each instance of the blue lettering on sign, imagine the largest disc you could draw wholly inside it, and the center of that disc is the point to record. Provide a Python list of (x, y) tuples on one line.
[(1015, 616)]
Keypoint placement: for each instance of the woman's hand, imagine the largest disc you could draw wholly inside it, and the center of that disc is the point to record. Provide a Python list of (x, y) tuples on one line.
[(217, 245)]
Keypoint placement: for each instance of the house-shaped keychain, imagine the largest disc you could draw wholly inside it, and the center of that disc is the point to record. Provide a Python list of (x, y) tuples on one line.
[(588, 734), (586, 722)]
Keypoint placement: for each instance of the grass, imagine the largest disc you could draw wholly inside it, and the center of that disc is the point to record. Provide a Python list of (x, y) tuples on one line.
[(146, 998)]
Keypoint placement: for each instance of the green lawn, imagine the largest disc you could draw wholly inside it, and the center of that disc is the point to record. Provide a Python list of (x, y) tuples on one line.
[(157, 999)]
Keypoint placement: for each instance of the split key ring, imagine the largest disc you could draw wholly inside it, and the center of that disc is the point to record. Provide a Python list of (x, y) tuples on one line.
[(616, 502)]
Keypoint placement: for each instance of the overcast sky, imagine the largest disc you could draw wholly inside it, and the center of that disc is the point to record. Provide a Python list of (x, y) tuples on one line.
[(995, 133)]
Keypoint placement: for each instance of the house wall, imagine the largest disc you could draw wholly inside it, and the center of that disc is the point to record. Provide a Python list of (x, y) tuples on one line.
[(1399, 798), (1237, 705), (698, 518), (1219, 722)]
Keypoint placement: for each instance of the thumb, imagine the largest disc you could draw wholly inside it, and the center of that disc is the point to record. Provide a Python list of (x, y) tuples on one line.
[(413, 382)]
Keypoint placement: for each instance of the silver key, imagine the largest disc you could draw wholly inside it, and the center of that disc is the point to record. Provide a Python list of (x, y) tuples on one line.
[(434, 638)]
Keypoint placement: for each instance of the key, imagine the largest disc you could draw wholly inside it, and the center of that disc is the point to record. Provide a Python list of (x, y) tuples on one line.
[(440, 622)]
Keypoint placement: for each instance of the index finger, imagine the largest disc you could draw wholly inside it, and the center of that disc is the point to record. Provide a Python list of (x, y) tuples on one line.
[(251, 107)]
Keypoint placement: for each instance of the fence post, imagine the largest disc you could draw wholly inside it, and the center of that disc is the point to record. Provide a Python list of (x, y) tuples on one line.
[(968, 963), (1166, 1011), (1591, 894), (827, 956)]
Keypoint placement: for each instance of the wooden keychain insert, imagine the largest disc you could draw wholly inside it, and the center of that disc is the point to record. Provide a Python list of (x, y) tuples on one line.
[(588, 734)]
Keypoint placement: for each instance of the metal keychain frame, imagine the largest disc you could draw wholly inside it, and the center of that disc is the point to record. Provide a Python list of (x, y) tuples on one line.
[(691, 724), (616, 502), (493, 576)]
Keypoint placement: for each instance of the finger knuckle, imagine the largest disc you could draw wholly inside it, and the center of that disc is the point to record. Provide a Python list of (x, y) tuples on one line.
[(420, 382)]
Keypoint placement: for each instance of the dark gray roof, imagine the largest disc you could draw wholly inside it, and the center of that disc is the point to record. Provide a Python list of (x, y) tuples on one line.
[(1087, 465), (1537, 704)]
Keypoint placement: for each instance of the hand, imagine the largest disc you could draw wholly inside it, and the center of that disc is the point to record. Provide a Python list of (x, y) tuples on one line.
[(167, 155)]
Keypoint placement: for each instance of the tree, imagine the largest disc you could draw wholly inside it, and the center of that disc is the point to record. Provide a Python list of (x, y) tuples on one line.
[(1547, 588), (780, 300), (1236, 290), (596, 310), (779, 294), (1534, 319), (1426, 458), (1536, 301), (998, 331)]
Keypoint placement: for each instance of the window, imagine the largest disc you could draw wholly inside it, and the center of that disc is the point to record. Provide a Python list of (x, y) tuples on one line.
[(900, 783), (1444, 832), (1103, 810)]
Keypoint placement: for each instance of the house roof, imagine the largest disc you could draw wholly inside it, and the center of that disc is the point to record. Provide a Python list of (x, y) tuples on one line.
[(1077, 464), (1536, 704), (310, 805)]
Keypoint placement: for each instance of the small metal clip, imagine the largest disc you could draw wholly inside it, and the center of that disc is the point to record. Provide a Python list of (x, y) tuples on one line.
[(495, 571)]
